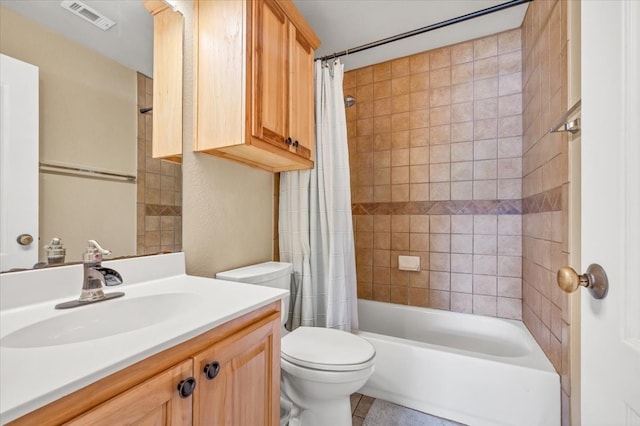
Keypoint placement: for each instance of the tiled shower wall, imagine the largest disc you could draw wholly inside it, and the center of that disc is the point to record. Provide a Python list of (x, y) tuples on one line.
[(159, 200), (435, 145), (545, 184)]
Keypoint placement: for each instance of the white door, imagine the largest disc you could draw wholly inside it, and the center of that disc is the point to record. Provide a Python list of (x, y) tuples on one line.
[(610, 328), (18, 163)]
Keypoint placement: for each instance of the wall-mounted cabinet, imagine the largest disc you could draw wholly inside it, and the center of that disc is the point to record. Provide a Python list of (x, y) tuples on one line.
[(254, 88), (167, 80)]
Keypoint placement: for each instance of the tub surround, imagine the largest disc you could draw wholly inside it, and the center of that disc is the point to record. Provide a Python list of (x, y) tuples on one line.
[(435, 155), (28, 297), (546, 310)]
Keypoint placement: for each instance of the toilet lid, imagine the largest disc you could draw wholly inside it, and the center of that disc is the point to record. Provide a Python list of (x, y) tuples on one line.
[(327, 349)]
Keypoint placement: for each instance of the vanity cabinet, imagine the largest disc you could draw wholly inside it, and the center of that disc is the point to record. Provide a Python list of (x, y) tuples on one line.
[(153, 402), (235, 367), (254, 83), (237, 376)]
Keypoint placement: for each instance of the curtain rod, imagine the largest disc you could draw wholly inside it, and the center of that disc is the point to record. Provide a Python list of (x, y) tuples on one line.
[(426, 29)]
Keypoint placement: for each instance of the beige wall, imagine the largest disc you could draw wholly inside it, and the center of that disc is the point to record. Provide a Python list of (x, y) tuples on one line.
[(88, 119), (547, 311), (227, 207), (435, 151)]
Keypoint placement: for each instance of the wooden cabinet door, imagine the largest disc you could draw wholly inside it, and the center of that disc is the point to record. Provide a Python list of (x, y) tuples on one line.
[(270, 73), (301, 94), (246, 389), (153, 402)]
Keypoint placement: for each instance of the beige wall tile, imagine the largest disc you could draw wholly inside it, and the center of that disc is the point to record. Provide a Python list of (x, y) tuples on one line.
[(462, 263), (485, 190), (462, 151), (463, 92), (461, 132), (462, 112), (419, 82), (400, 67), (419, 192), (419, 63), (440, 172), (419, 155), (440, 191), (460, 190), (400, 86), (462, 52), (509, 41), (462, 224), (462, 283), (461, 302), (485, 68), (485, 47), (419, 223), (462, 73), (381, 72), (485, 108), (509, 63), (484, 305)]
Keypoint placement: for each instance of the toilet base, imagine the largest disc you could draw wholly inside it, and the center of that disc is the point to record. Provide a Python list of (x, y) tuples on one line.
[(320, 398), (332, 412)]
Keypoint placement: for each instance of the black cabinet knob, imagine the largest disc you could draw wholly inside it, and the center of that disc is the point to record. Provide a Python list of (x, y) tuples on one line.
[(211, 370), (295, 144), (288, 141), (186, 387)]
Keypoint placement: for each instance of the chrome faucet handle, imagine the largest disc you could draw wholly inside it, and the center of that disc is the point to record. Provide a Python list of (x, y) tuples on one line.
[(95, 252)]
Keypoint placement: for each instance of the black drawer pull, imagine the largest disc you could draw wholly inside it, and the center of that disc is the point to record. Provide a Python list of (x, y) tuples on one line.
[(211, 370), (186, 387)]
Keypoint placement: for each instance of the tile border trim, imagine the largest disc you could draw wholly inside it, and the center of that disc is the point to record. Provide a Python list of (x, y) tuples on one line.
[(450, 207), (547, 201), (160, 210)]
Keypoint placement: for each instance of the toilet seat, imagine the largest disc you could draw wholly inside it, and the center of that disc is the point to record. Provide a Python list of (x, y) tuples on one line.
[(326, 349)]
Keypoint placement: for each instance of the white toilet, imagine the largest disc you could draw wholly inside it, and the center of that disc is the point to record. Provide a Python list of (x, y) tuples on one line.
[(321, 367)]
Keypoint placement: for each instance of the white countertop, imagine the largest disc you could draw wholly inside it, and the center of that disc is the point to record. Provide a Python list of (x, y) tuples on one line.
[(32, 377)]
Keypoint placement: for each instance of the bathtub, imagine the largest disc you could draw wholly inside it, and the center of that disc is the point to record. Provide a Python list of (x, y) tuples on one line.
[(468, 368)]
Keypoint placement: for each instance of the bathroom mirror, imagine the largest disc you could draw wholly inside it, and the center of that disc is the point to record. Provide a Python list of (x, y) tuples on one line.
[(92, 84)]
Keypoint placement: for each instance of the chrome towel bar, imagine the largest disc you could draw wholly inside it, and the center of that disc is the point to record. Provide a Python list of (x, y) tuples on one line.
[(84, 172), (566, 125)]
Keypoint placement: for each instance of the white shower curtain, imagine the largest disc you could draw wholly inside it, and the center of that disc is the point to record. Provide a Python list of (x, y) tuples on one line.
[(315, 224)]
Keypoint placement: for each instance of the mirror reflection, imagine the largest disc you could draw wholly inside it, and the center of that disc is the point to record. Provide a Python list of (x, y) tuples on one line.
[(89, 119)]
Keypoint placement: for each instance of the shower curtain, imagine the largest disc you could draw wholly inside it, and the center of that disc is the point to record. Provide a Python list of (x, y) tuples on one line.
[(315, 224)]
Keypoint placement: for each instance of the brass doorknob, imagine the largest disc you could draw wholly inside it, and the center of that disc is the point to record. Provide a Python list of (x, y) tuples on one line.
[(24, 239), (595, 279)]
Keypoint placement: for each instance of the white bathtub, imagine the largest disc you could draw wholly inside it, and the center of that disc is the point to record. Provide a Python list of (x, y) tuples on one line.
[(468, 368)]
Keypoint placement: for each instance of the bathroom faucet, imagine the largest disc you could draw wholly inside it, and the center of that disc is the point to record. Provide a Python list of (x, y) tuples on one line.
[(95, 278)]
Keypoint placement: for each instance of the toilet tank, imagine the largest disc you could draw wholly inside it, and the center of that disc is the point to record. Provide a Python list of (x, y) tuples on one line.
[(269, 274)]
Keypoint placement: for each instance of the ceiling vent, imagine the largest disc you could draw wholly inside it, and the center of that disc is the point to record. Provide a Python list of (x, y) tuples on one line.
[(88, 13)]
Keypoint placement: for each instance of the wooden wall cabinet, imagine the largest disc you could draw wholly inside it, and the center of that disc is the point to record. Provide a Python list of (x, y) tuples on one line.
[(236, 368), (168, 28), (254, 91)]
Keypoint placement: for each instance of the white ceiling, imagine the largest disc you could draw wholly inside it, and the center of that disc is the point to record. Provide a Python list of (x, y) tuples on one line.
[(340, 24), (345, 24), (130, 41)]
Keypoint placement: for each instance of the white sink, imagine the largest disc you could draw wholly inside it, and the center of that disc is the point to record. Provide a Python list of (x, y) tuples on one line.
[(102, 319)]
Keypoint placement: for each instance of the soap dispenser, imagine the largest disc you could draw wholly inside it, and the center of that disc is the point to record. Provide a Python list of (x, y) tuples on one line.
[(55, 252)]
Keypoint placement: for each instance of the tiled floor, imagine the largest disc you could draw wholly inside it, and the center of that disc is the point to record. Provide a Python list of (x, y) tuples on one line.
[(387, 413), (360, 405)]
